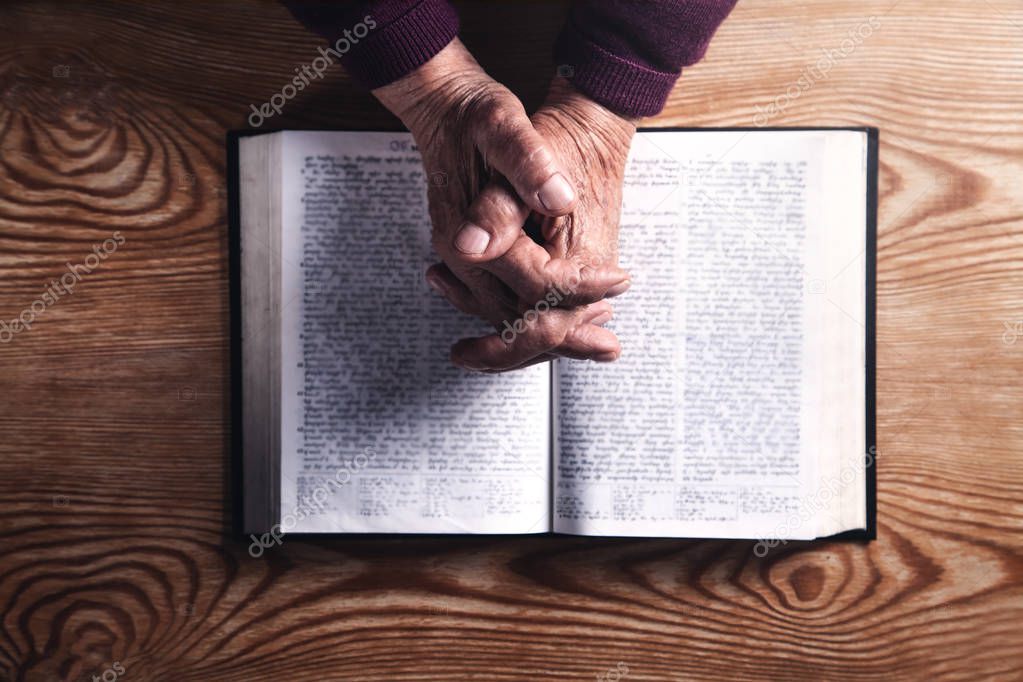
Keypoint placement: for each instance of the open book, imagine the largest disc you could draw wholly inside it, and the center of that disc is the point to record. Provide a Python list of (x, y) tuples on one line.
[(742, 405)]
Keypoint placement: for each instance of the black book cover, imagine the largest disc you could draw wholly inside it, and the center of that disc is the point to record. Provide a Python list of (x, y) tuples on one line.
[(236, 491)]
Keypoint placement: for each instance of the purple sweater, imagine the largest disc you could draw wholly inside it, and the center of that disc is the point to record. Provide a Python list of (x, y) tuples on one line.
[(625, 54)]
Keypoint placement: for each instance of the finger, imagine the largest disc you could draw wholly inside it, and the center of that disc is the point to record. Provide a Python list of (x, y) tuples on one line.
[(586, 276), (546, 357), (562, 332), (451, 288), (511, 145), (491, 353), (576, 282), (489, 301), (493, 238), (564, 282), (580, 339), (591, 342), (442, 280), (492, 223)]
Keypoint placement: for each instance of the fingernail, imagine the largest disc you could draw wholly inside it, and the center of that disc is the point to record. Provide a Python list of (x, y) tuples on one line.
[(556, 194), (602, 318), (472, 239), (610, 356), (435, 283), (618, 289)]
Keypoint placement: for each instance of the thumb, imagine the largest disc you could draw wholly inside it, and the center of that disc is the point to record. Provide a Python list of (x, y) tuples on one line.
[(511, 145)]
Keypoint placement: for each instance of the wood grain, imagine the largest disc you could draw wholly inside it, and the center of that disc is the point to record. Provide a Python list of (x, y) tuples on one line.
[(115, 404)]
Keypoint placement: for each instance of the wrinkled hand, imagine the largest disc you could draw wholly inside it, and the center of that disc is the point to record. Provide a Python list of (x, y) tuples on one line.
[(488, 168), (593, 144)]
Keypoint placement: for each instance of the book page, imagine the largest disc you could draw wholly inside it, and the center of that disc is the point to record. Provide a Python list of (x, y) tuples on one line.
[(380, 433), (740, 391)]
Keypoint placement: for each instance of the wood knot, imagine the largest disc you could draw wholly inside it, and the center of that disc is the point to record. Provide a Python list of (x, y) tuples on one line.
[(807, 582)]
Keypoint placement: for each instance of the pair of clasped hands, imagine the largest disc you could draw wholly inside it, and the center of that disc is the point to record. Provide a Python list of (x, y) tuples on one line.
[(491, 169)]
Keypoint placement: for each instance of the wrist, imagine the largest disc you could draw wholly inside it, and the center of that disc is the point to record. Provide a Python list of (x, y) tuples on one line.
[(613, 130), (422, 96)]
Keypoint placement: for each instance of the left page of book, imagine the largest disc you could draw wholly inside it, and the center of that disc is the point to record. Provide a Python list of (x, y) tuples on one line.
[(380, 433)]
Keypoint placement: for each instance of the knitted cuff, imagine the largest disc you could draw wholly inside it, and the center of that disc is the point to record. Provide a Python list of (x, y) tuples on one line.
[(622, 86)]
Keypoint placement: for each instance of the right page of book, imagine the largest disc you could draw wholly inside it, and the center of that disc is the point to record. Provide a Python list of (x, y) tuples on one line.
[(737, 407)]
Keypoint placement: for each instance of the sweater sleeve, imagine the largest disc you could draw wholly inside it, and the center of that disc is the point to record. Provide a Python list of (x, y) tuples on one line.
[(379, 41), (627, 55)]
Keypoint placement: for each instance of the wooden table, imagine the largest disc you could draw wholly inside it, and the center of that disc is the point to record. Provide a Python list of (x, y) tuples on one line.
[(114, 472)]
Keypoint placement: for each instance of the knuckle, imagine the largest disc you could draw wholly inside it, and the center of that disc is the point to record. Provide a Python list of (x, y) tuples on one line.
[(565, 276), (538, 159), (442, 246), (493, 112), (550, 332), (582, 297), (478, 281), (585, 293), (495, 209), (581, 342)]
